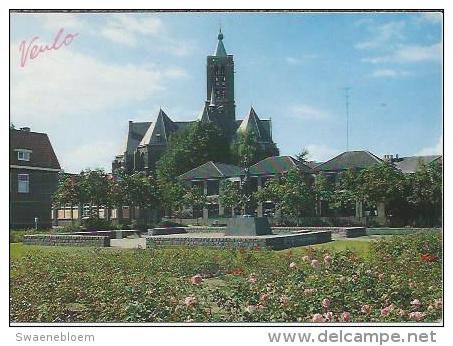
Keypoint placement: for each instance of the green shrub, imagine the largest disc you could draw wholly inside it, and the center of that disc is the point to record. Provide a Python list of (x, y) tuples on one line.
[(96, 224)]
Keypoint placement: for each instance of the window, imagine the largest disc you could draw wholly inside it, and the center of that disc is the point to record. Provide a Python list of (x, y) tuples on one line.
[(23, 185), (23, 155)]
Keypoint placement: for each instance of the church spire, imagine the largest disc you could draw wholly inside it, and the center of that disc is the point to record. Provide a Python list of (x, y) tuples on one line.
[(220, 50), (212, 101)]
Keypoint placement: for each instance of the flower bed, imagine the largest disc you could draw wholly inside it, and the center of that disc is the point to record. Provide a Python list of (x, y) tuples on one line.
[(400, 280)]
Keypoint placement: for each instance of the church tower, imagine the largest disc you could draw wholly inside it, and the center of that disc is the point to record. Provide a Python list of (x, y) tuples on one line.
[(220, 88)]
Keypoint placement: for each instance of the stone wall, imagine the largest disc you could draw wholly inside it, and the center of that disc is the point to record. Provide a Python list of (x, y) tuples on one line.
[(66, 240), (275, 242)]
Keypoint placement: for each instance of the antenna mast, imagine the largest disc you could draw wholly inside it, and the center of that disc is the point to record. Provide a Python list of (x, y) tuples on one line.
[(346, 95)]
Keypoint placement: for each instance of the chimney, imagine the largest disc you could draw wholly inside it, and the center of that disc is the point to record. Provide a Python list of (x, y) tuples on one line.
[(388, 158), (25, 129)]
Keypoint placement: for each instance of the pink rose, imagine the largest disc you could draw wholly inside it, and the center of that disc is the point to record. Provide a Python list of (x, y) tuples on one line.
[(401, 313), (329, 316), (317, 318), (306, 259), (253, 278), (366, 309), (328, 260), (309, 291), (326, 303), (438, 303), (385, 311), (284, 300), (345, 316), (416, 316), (293, 265), (190, 301), (315, 264), (264, 298), (196, 279), (416, 303)]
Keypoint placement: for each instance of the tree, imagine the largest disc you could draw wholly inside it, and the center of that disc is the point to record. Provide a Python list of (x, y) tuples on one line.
[(290, 193), (143, 192), (194, 198), (202, 142), (94, 188), (323, 191), (231, 195), (172, 194), (246, 150), (67, 193), (425, 193), (303, 155), (346, 191)]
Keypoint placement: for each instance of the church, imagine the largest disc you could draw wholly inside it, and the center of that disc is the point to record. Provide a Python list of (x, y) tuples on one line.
[(147, 141)]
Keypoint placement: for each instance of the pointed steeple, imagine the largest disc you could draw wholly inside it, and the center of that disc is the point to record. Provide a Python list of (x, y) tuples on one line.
[(160, 130), (212, 101), (252, 123), (220, 50), (204, 115)]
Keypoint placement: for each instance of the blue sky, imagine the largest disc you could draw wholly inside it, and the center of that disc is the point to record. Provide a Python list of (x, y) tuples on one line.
[(291, 66)]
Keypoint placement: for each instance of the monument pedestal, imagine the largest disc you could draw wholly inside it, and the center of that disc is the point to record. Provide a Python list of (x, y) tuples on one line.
[(248, 226)]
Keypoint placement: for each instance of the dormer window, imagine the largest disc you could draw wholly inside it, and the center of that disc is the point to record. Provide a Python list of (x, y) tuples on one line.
[(23, 154)]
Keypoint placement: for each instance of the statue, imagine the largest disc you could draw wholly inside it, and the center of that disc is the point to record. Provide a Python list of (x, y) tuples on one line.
[(246, 194)]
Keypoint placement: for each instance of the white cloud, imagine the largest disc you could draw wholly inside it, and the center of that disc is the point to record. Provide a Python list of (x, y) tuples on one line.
[(436, 149), (410, 54), (93, 154), (291, 60), (65, 82), (389, 73), (126, 29), (430, 17), (56, 21), (321, 152), (307, 112), (382, 35), (131, 30)]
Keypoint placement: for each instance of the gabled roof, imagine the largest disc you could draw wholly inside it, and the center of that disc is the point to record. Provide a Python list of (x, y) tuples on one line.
[(278, 165), (220, 49), (212, 169), (349, 160), (411, 164), (252, 123), (204, 114), (134, 136), (160, 130), (42, 154)]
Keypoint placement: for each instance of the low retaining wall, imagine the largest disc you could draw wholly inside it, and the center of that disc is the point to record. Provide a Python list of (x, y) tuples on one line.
[(66, 240), (274, 242), (166, 230), (398, 231), (348, 232)]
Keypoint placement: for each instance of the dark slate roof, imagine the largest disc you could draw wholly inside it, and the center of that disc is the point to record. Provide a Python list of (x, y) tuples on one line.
[(252, 123), (160, 130), (135, 134), (313, 164), (42, 154), (212, 170), (411, 164), (349, 160), (278, 165)]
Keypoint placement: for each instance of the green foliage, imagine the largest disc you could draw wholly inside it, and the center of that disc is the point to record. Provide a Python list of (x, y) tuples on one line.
[(96, 224), (188, 149), (425, 195), (303, 155), (246, 150), (291, 194), (230, 194), (51, 284)]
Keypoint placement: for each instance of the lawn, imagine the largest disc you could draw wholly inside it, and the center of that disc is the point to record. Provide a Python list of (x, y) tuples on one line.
[(397, 278)]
